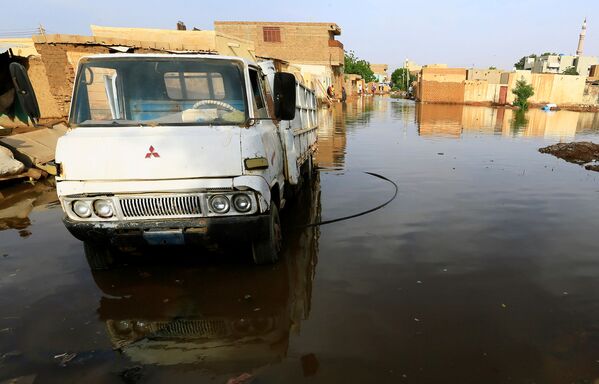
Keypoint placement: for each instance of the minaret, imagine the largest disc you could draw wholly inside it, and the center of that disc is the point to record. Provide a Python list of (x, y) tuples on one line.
[(581, 38)]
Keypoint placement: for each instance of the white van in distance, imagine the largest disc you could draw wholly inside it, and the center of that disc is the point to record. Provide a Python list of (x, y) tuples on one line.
[(182, 149)]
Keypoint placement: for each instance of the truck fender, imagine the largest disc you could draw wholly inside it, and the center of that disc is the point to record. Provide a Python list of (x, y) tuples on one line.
[(257, 183)]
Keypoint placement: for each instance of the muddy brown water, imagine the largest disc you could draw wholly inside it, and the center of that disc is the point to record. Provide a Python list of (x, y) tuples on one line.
[(485, 269)]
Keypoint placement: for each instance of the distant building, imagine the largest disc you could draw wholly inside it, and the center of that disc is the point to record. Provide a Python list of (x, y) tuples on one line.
[(484, 87), (309, 46), (380, 72), (412, 67), (559, 63)]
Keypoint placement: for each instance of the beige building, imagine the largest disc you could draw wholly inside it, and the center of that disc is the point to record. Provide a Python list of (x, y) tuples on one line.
[(381, 72), (177, 40), (493, 76), (354, 85), (311, 47), (559, 63), (477, 87), (412, 67)]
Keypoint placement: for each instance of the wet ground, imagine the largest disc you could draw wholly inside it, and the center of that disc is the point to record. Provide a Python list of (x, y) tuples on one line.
[(484, 269)]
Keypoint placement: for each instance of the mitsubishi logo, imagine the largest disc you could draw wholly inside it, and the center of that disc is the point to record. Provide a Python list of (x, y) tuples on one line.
[(152, 153)]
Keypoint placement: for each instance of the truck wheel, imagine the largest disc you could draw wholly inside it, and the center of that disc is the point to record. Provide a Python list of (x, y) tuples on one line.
[(309, 168), (266, 251), (99, 256)]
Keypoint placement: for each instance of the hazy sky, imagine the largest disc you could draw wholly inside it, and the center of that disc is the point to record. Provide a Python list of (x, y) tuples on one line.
[(457, 32)]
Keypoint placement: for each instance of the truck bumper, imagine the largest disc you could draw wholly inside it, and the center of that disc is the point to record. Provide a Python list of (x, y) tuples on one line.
[(222, 230)]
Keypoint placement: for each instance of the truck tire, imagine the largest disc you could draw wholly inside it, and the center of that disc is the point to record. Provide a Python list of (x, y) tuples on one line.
[(309, 168), (266, 251), (99, 256)]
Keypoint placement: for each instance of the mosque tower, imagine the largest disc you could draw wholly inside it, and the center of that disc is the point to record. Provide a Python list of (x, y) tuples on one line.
[(581, 38)]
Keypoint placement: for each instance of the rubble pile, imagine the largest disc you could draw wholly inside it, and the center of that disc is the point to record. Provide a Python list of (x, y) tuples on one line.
[(8, 165), (582, 153)]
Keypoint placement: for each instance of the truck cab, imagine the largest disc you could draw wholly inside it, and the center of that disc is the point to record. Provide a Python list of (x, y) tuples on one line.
[(182, 149)]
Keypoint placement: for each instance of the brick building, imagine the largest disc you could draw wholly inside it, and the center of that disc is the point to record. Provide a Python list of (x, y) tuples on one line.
[(311, 47)]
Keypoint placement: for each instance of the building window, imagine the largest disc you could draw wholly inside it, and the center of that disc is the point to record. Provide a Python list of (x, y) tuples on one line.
[(272, 34)]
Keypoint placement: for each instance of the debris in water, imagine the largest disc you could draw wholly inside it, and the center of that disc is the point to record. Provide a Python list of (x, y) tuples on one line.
[(29, 379), (310, 364), (503, 306), (244, 378), (10, 354), (65, 358), (582, 152), (132, 375)]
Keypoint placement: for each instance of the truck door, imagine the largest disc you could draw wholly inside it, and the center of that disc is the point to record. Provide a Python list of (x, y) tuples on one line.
[(263, 108)]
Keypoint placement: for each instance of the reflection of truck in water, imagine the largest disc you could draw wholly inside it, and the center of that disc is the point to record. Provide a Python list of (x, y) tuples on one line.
[(225, 319), (177, 149)]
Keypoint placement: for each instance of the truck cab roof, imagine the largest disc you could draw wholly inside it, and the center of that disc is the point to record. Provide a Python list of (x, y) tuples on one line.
[(110, 56)]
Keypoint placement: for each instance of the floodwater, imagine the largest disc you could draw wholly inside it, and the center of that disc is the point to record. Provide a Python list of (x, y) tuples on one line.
[(484, 269)]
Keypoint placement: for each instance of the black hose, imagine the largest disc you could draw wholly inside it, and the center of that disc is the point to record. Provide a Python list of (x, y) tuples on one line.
[(318, 223)]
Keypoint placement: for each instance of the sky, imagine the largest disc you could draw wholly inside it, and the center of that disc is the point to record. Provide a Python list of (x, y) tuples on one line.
[(460, 33)]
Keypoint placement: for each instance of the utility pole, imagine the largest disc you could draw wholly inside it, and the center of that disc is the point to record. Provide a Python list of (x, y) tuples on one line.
[(407, 75)]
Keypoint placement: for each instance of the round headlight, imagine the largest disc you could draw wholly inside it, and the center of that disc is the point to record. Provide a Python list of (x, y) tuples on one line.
[(82, 209), (103, 208), (123, 326), (242, 203), (219, 204)]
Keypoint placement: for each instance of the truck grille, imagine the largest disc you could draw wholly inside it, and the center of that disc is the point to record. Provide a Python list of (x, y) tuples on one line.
[(165, 206), (198, 328)]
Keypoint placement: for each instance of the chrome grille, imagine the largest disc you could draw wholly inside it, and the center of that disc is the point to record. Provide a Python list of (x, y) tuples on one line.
[(163, 206), (203, 328)]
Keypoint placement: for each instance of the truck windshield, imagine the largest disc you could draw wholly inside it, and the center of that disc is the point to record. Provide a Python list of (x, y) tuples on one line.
[(159, 91)]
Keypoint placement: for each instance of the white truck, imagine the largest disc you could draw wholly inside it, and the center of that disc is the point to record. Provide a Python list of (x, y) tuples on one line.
[(178, 149)]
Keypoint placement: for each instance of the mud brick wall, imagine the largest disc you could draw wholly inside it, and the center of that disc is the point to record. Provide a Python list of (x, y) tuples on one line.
[(442, 85), (60, 62), (591, 94), (302, 43), (39, 80), (441, 92)]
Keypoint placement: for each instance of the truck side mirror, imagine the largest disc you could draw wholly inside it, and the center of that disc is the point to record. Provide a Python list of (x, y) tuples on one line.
[(284, 96), (24, 91)]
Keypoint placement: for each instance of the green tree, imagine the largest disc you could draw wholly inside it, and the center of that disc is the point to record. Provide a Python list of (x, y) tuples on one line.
[(399, 77), (520, 63), (570, 71), (355, 65), (492, 68), (523, 92)]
